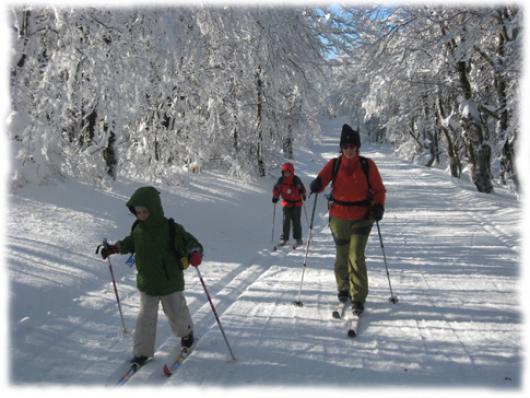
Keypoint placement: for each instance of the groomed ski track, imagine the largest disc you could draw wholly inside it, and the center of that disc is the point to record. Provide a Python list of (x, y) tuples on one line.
[(453, 256)]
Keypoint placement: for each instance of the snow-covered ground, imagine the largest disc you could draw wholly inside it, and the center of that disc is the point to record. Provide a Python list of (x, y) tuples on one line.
[(453, 256)]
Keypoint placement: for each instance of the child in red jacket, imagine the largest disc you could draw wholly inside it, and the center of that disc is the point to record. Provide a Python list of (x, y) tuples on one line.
[(293, 194)]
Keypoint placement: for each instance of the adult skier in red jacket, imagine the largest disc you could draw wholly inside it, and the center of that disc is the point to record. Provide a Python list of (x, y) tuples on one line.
[(357, 200)]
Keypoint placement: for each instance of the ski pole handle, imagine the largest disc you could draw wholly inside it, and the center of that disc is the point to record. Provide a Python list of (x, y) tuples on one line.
[(105, 244)]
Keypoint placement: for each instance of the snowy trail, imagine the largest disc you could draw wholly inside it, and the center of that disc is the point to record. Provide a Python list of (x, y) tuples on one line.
[(454, 269), (453, 255)]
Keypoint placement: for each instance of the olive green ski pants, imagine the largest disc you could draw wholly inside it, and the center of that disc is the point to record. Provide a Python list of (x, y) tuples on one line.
[(351, 238)]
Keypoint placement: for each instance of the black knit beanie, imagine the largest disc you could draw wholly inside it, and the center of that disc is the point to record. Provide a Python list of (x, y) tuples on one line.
[(350, 136)]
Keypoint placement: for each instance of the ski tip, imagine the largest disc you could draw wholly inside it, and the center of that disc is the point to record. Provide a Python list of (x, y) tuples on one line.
[(351, 333), (167, 371)]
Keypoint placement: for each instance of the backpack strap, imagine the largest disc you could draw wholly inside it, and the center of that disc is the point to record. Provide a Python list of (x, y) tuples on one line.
[(297, 181), (299, 184), (278, 183), (335, 170), (365, 165), (366, 168)]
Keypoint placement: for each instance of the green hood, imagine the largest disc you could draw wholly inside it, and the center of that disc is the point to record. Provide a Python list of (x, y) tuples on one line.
[(149, 198)]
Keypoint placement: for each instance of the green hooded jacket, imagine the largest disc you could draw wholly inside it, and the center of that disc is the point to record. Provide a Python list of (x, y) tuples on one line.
[(157, 259)]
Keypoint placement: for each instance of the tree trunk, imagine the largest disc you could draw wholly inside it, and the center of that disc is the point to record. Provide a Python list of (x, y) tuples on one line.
[(479, 154), (235, 142), (259, 84), (287, 142), (430, 140), (455, 165), (235, 136), (508, 170), (109, 154), (23, 33), (477, 147)]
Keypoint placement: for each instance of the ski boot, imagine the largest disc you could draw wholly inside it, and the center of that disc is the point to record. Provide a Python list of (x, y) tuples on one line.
[(139, 360), (343, 296), (187, 341), (357, 308)]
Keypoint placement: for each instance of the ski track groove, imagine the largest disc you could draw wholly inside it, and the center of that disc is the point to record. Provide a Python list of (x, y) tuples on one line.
[(479, 219), (493, 230), (446, 321)]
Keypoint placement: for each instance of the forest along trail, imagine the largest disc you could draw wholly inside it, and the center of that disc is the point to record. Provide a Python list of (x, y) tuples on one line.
[(454, 270)]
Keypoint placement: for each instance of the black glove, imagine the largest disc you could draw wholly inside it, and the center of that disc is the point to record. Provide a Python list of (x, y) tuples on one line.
[(316, 185), (376, 212), (109, 250), (275, 199)]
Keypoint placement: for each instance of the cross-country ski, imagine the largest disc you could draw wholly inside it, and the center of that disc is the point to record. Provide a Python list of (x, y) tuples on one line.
[(354, 325), (341, 310), (169, 369), (131, 370)]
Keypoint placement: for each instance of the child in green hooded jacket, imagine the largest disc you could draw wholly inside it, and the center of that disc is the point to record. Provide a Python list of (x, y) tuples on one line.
[(159, 263)]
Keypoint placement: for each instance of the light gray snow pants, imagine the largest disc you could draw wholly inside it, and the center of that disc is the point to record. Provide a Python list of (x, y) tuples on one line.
[(176, 310)]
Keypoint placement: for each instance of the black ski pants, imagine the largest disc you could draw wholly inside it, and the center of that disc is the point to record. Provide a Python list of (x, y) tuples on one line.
[(292, 215)]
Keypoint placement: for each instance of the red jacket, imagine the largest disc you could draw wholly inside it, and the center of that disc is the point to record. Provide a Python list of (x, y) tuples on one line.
[(291, 189), (351, 185)]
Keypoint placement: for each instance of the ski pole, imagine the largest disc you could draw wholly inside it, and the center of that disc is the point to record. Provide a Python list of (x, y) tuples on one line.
[(106, 244), (215, 313), (305, 213), (125, 331), (393, 299), (273, 224), (299, 301)]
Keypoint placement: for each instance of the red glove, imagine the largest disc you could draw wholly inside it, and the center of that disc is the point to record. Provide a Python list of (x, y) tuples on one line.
[(195, 259)]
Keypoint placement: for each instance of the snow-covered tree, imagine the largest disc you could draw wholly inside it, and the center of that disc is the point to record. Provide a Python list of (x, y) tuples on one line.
[(151, 93), (441, 82)]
